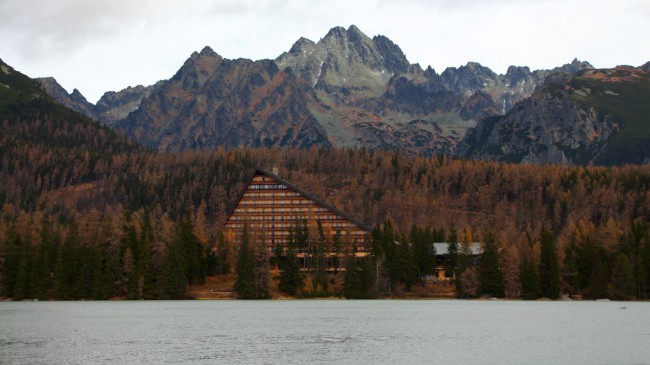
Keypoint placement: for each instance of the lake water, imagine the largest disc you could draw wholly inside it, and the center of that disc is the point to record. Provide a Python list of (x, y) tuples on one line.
[(327, 331)]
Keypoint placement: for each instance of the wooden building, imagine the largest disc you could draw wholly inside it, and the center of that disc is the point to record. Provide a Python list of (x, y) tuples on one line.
[(272, 207)]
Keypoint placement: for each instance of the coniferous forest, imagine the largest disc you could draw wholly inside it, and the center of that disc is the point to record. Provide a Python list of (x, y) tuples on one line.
[(87, 214)]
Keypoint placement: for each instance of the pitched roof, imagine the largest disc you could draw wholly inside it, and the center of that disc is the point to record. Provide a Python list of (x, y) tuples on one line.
[(311, 197)]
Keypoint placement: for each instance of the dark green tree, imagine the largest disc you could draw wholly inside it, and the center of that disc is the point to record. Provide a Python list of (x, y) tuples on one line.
[(245, 284), (423, 250), (404, 268), (65, 275), (291, 280), (622, 282), (490, 275), (145, 265), (570, 275), (529, 279), (21, 289), (174, 279), (598, 287), (451, 259), (359, 279), (13, 257), (383, 253), (219, 259), (549, 269), (196, 264)]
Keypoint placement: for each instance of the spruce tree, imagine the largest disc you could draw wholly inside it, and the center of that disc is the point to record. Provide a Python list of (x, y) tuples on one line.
[(12, 259), (529, 279), (405, 266), (352, 280), (490, 276), (622, 281), (359, 282), (549, 270), (570, 275), (451, 260), (245, 284), (290, 276), (174, 279)]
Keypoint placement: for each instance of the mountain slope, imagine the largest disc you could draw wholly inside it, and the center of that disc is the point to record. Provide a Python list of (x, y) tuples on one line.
[(31, 117), (45, 146), (345, 90), (592, 117), (212, 101)]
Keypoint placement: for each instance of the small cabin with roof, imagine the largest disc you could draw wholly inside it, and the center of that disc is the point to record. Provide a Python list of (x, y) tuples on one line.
[(474, 250)]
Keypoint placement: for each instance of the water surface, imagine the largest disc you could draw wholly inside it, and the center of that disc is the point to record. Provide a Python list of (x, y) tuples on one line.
[(327, 331)]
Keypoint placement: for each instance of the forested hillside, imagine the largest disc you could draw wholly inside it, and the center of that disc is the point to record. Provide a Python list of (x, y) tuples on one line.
[(88, 214), (602, 210)]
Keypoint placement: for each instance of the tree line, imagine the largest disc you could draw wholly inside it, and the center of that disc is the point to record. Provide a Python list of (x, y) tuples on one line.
[(596, 216), (398, 262)]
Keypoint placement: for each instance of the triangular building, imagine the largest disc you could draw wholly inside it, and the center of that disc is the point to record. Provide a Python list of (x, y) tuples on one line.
[(273, 206)]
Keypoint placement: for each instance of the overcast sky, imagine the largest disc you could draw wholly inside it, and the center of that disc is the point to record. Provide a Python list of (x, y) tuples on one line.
[(107, 45)]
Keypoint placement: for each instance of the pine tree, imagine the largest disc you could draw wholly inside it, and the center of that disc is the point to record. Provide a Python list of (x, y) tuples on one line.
[(549, 271), (174, 272), (21, 289), (622, 281), (405, 267), (245, 284), (529, 278), (290, 277), (490, 276), (146, 276), (12, 259), (423, 251), (570, 274), (451, 260), (352, 280), (359, 279)]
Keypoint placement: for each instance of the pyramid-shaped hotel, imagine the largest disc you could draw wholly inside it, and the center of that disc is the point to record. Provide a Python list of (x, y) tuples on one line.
[(273, 206)]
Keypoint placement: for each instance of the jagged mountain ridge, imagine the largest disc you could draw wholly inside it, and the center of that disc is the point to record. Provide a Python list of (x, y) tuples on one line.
[(591, 117), (347, 89), (212, 101)]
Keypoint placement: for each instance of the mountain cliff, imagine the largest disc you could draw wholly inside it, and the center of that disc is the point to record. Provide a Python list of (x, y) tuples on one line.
[(212, 101), (591, 117), (111, 107), (345, 90)]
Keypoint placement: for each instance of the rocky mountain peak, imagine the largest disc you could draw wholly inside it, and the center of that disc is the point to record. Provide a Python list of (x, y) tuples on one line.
[(517, 74), (199, 67), (468, 78), (303, 46), (336, 32), (207, 51), (393, 57), (646, 67), (345, 58), (75, 100), (576, 65), (78, 97)]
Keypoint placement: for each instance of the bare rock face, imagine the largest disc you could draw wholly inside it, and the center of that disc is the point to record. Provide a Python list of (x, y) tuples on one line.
[(112, 107), (345, 61), (591, 117), (212, 102), (645, 67), (115, 106), (345, 90), (74, 100)]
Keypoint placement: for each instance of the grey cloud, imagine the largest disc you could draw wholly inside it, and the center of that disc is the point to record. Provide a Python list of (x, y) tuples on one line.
[(35, 27)]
